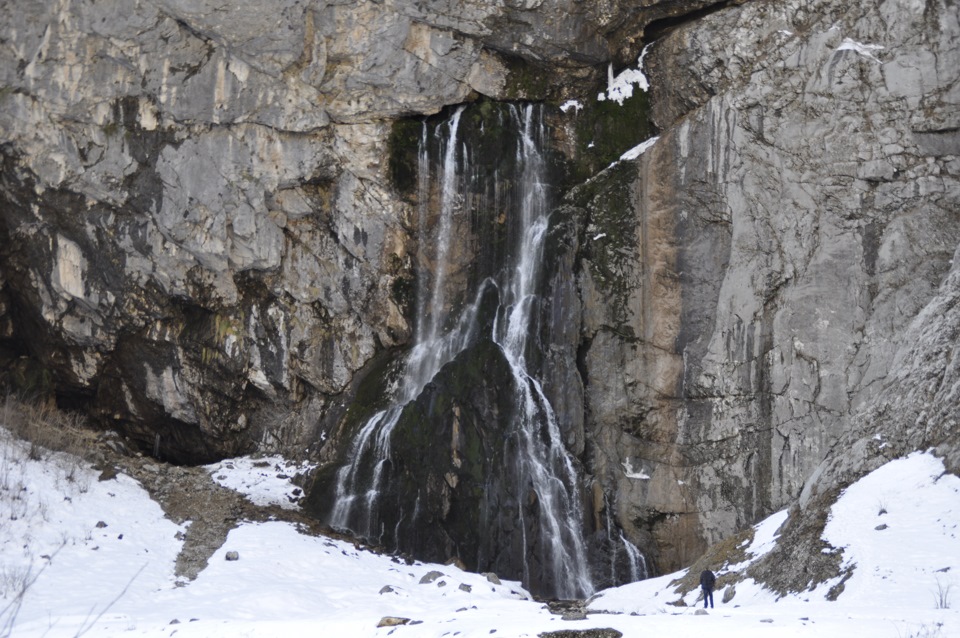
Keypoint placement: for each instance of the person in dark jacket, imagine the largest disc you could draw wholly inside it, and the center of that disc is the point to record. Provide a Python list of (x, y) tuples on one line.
[(707, 581)]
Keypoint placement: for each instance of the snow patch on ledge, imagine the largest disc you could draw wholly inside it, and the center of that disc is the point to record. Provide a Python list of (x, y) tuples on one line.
[(639, 149), (866, 50), (620, 88), (634, 474)]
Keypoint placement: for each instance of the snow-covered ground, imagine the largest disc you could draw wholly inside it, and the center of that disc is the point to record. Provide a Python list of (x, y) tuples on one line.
[(100, 555)]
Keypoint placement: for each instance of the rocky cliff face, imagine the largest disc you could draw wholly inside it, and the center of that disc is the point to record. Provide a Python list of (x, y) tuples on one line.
[(203, 240), (200, 241), (797, 213)]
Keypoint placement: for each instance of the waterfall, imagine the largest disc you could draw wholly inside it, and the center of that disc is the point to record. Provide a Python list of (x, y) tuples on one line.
[(621, 551), (356, 497), (636, 563), (544, 462), (540, 494)]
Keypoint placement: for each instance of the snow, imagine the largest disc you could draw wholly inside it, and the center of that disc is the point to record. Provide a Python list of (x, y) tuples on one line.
[(764, 540), (264, 480), (576, 105), (639, 149), (631, 473), (620, 88), (879, 528), (866, 50), (118, 579), (899, 528)]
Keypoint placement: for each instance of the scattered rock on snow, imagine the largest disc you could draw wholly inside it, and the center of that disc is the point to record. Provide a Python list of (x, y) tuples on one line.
[(233, 555), (392, 621), (465, 587), (605, 632), (729, 593), (568, 609), (493, 578), (574, 615), (430, 577), (386, 589)]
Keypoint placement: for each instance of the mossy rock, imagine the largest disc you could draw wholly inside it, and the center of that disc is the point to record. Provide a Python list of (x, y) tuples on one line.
[(605, 130), (610, 240), (402, 147), (30, 378), (526, 80)]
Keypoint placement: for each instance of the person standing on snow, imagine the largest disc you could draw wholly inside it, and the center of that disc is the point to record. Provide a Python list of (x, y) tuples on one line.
[(707, 581)]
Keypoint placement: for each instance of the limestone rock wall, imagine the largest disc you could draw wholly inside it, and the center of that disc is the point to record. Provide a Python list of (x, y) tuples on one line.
[(800, 209)]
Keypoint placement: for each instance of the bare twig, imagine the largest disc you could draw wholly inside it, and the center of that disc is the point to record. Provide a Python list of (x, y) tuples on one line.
[(88, 623)]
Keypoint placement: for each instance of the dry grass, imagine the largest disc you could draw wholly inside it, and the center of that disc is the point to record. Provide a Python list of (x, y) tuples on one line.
[(942, 595), (47, 428)]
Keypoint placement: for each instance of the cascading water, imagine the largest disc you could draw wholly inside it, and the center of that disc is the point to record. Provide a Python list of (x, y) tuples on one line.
[(544, 462), (356, 498), (637, 564), (623, 553), (499, 490)]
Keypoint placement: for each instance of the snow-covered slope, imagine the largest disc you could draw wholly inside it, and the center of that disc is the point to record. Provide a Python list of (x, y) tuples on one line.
[(897, 527)]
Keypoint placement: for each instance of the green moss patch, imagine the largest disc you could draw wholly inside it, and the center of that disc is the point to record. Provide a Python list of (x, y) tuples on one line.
[(606, 130), (402, 146)]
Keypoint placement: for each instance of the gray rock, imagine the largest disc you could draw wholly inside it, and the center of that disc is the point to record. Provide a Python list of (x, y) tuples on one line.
[(582, 633), (728, 593), (768, 316), (393, 621), (430, 577), (233, 556)]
